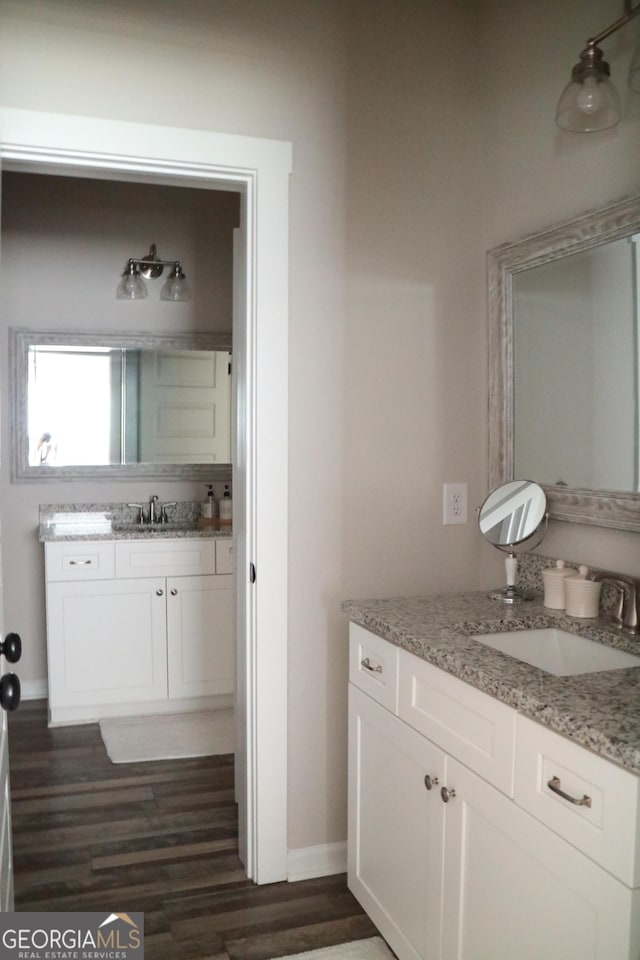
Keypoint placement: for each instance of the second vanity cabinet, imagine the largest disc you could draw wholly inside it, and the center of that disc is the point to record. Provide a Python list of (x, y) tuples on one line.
[(457, 848), (138, 626)]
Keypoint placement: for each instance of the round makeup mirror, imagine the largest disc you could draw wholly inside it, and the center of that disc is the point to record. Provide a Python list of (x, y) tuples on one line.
[(514, 519)]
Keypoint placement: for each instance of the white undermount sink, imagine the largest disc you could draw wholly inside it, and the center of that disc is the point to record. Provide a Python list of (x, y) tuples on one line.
[(149, 529), (559, 652)]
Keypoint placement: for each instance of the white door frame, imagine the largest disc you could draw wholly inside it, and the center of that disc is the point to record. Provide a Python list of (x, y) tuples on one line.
[(259, 169)]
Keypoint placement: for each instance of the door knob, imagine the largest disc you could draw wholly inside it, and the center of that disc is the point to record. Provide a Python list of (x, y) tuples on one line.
[(12, 647), (9, 691)]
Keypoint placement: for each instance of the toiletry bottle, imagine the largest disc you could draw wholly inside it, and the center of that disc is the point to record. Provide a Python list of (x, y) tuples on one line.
[(226, 506), (207, 509)]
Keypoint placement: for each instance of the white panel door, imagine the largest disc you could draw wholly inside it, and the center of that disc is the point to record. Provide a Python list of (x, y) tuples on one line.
[(513, 889), (6, 857), (185, 406), (200, 635)]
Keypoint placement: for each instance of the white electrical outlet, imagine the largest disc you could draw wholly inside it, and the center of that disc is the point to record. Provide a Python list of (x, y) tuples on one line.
[(455, 501)]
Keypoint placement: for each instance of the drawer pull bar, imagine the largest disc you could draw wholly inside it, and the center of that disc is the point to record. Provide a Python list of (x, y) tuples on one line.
[(80, 563), (366, 663), (554, 785)]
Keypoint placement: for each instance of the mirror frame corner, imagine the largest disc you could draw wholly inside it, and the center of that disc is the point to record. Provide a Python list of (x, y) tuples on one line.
[(21, 338), (604, 508)]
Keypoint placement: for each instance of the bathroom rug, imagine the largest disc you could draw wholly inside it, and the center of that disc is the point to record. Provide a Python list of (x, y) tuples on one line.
[(171, 736), (373, 948)]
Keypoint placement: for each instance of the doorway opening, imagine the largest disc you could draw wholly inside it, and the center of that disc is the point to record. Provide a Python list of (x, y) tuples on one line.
[(85, 147)]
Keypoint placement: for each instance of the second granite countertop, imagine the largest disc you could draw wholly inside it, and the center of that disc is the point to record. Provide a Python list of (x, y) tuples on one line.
[(116, 521), (600, 711)]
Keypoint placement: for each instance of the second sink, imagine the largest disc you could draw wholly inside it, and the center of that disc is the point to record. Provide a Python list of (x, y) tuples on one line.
[(148, 529), (558, 652)]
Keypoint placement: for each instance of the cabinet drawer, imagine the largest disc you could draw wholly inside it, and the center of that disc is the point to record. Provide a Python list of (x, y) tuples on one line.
[(79, 560), (224, 556), (373, 666), (470, 725), (607, 827), (169, 558)]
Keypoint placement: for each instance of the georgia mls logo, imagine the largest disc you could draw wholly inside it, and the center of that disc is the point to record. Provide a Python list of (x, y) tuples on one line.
[(71, 936)]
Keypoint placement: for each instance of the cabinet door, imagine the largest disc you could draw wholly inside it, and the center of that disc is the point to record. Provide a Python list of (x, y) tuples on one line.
[(200, 635), (395, 846), (106, 642), (514, 889)]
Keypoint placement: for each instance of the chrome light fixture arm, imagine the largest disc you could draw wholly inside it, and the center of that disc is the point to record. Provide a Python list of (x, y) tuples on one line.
[(152, 265), (629, 13)]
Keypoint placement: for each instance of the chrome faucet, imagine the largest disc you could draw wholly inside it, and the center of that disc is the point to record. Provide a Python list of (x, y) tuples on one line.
[(154, 509), (163, 510), (625, 614)]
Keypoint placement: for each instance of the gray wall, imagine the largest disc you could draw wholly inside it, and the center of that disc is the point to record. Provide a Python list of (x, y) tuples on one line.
[(422, 135)]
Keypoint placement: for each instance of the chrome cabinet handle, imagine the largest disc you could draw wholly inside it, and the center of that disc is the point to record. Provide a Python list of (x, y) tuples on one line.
[(80, 563), (430, 782), (174, 592), (366, 663), (554, 785), (159, 593), (447, 794)]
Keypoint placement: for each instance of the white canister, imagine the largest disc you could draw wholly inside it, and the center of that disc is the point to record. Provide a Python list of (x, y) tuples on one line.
[(553, 579), (582, 595)]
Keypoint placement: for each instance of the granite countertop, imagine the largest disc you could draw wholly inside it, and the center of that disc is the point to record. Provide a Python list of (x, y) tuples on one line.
[(600, 711), (116, 521)]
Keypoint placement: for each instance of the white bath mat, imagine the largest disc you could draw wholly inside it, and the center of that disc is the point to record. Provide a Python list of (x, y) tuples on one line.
[(206, 733), (373, 949)]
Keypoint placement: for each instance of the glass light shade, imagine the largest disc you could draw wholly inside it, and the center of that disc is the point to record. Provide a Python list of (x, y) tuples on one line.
[(132, 286), (634, 72), (175, 287), (588, 105)]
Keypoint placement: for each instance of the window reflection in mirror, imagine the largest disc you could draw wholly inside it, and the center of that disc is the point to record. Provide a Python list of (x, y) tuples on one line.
[(95, 406), (120, 405)]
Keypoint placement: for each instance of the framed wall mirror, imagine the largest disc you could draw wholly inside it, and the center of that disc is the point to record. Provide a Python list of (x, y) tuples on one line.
[(564, 386), (120, 406)]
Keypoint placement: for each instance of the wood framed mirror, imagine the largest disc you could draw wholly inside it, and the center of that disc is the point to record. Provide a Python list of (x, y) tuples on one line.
[(119, 406), (563, 365)]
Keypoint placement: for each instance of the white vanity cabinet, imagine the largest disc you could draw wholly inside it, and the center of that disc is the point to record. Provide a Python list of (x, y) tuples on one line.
[(138, 626), (200, 636), (474, 876)]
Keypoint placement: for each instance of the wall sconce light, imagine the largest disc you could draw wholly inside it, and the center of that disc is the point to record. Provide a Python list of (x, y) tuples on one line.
[(133, 287), (590, 101)]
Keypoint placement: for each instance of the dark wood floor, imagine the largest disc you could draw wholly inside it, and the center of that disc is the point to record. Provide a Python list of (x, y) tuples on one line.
[(158, 838)]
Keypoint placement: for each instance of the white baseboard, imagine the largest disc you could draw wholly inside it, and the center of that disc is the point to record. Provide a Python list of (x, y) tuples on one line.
[(33, 690), (321, 861)]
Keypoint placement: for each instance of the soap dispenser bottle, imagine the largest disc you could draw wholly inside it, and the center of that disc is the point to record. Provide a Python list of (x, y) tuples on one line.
[(226, 507), (208, 509)]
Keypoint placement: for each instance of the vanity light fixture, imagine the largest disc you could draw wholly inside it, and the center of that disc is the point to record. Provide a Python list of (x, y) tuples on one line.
[(590, 101), (133, 287)]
